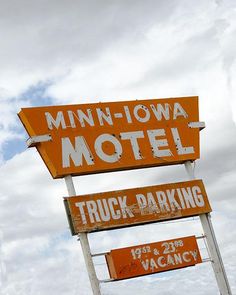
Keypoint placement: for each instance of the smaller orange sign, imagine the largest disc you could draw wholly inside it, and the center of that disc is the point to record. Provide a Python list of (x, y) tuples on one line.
[(109, 210), (151, 258)]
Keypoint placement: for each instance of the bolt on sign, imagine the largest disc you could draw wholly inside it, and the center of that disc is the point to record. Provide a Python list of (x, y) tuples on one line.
[(151, 258), (102, 137), (109, 210)]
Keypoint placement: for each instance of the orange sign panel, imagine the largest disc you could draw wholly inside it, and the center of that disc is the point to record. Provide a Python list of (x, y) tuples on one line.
[(102, 137), (109, 210), (152, 258)]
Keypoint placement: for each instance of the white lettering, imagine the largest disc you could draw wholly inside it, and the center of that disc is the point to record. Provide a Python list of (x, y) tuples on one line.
[(75, 153), (198, 196), (85, 117), (170, 260), (133, 137), (81, 205), (92, 210), (181, 198), (142, 203), (184, 255), (59, 120), (102, 155), (179, 147), (194, 254), (178, 258), (71, 118), (162, 201), (188, 197), (153, 264), (111, 203), (171, 197), (145, 264), (102, 116), (144, 109), (179, 111), (152, 205), (159, 261), (124, 208), (104, 213), (160, 111), (152, 134), (127, 113)]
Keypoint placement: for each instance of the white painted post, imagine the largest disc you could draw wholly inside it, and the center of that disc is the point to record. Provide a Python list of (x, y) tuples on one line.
[(85, 245), (216, 260)]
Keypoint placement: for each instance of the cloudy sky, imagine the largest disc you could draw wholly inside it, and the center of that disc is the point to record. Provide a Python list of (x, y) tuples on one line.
[(67, 51)]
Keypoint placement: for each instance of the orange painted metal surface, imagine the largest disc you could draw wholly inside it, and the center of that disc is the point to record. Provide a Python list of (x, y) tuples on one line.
[(115, 209), (103, 137), (152, 258)]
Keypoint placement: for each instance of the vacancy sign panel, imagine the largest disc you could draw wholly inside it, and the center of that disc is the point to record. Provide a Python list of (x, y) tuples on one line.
[(115, 209), (152, 258), (101, 137)]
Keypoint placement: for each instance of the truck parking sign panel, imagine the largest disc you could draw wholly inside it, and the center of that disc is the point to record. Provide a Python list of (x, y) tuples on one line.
[(115, 209)]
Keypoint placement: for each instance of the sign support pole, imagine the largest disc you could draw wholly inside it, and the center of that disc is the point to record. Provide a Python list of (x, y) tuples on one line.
[(85, 245), (217, 262)]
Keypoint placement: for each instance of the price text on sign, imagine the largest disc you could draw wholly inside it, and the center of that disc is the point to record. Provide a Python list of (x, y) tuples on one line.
[(102, 211), (102, 137), (152, 258)]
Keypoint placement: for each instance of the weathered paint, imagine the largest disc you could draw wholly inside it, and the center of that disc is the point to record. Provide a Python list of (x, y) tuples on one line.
[(102, 137), (122, 208), (152, 258)]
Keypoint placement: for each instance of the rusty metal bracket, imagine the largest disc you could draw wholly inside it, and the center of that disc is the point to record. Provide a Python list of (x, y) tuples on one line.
[(200, 125), (34, 140)]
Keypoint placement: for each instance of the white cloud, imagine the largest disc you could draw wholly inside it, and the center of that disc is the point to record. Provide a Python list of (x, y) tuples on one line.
[(86, 51)]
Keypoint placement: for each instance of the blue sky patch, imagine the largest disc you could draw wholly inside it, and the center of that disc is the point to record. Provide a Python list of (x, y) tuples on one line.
[(13, 147), (36, 94)]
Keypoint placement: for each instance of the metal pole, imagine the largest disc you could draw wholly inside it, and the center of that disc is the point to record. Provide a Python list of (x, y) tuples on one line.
[(85, 245), (216, 260)]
